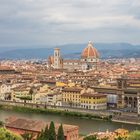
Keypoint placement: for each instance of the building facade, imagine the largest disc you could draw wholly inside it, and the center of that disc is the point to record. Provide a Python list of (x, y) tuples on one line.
[(5, 89), (94, 101), (71, 96), (84, 98)]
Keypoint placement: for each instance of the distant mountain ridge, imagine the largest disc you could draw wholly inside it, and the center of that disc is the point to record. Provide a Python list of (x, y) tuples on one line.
[(72, 51)]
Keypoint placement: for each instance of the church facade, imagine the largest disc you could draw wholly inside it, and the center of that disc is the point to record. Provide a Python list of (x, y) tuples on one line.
[(89, 59)]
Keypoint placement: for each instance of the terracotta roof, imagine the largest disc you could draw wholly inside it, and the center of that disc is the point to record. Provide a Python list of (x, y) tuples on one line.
[(34, 125), (6, 68), (25, 124), (72, 89)]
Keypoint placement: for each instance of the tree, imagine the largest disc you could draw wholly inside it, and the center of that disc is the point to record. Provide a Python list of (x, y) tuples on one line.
[(40, 136), (60, 135), (25, 98), (27, 136), (94, 137), (106, 138), (135, 135), (1, 124), (7, 135), (31, 91), (52, 134), (120, 138), (46, 133)]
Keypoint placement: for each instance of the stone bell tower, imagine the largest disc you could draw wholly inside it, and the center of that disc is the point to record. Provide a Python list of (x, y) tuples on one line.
[(57, 59)]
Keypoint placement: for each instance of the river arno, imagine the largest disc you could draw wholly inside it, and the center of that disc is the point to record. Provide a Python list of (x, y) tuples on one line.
[(85, 126)]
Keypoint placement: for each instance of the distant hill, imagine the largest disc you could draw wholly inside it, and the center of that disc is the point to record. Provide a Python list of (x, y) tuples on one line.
[(106, 50)]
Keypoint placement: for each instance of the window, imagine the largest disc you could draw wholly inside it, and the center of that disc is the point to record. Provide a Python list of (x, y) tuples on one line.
[(55, 53)]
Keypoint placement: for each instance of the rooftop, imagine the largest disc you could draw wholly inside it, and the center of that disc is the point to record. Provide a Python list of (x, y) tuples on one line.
[(34, 125)]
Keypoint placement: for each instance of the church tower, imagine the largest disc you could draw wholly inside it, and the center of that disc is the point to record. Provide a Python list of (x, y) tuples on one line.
[(57, 59)]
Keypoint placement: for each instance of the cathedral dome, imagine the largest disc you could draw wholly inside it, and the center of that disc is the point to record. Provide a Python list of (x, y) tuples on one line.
[(89, 52)]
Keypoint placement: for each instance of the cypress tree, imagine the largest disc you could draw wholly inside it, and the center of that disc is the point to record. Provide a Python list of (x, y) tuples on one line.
[(46, 133), (52, 134), (40, 136), (60, 135), (27, 136)]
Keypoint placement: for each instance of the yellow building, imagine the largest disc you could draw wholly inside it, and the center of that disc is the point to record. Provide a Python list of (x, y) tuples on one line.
[(71, 84), (93, 101), (19, 94), (71, 96), (62, 84), (81, 98)]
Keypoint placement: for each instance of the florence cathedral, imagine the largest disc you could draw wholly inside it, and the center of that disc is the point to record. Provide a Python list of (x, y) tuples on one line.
[(89, 59)]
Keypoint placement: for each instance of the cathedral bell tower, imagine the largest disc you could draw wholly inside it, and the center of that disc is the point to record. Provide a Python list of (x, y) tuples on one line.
[(57, 59)]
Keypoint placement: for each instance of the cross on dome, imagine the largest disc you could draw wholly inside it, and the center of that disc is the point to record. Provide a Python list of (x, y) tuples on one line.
[(90, 42)]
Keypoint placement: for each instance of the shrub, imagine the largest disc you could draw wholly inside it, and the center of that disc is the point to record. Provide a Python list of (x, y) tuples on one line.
[(7, 135)]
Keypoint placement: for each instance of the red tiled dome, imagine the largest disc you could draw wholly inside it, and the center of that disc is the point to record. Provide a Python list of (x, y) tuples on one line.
[(89, 52)]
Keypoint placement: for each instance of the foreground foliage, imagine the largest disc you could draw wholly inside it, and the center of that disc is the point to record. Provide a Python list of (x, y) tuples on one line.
[(1, 124), (7, 135), (60, 135), (50, 133), (135, 135), (91, 138), (27, 136)]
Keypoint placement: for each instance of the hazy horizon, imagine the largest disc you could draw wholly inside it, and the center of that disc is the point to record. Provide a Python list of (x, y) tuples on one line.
[(63, 44)]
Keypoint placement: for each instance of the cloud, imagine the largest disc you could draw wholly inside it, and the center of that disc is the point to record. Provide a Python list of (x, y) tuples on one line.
[(64, 21)]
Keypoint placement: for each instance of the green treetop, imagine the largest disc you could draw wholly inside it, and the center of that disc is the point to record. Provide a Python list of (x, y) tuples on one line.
[(52, 134), (60, 135), (91, 138), (7, 135), (135, 135)]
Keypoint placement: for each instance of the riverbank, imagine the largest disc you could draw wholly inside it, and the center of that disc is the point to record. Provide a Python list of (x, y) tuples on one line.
[(86, 126), (126, 122), (71, 112), (55, 112)]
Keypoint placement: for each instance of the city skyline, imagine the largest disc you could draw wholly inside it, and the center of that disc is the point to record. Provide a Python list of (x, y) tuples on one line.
[(69, 70), (31, 22)]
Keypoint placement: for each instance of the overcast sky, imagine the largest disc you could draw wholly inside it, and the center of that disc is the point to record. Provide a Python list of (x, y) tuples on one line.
[(52, 22)]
